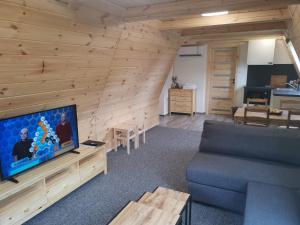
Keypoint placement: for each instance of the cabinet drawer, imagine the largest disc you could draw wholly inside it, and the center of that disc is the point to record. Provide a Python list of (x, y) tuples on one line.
[(182, 93), (181, 98), (181, 109), (181, 104)]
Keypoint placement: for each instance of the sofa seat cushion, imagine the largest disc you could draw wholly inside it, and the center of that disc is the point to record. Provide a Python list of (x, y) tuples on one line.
[(234, 173), (271, 205)]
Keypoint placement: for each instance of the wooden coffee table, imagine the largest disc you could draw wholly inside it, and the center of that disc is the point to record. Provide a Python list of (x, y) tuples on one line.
[(140, 214), (162, 207), (181, 201)]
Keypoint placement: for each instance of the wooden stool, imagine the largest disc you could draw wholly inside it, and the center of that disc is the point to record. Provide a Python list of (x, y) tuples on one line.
[(124, 133), (141, 130)]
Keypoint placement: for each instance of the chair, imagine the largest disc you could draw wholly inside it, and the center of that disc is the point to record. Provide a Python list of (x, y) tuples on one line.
[(233, 111), (279, 81), (260, 116), (257, 101), (293, 123)]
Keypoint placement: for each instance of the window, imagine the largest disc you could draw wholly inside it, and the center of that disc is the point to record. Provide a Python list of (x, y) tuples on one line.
[(294, 54)]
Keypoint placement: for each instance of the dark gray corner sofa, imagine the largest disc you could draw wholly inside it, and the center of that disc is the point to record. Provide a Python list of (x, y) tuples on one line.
[(250, 170)]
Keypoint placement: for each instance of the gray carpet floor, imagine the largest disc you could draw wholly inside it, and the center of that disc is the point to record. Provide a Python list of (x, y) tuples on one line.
[(161, 161)]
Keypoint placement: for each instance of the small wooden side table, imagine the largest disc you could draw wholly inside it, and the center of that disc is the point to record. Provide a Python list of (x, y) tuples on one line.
[(125, 132)]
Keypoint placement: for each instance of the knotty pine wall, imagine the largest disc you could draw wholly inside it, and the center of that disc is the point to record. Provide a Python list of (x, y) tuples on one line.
[(294, 27), (53, 55)]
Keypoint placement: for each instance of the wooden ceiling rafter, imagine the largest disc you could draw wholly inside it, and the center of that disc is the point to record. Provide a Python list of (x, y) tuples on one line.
[(238, 37), (167, 10), (237, 28), (236, 18)]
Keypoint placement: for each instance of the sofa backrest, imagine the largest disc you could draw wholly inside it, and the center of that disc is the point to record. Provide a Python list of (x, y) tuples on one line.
[(275, 144)]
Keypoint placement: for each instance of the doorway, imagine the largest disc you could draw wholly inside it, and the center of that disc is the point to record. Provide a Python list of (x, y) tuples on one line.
[(221, 79)]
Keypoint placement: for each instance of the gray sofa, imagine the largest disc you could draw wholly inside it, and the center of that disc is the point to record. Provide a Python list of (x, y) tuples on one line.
[(250, 170)]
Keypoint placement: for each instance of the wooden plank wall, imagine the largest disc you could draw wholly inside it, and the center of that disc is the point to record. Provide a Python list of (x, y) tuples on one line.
[(294, 27), (52, 55)]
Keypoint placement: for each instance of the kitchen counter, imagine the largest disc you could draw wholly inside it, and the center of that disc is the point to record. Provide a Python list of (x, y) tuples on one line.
[(285, 97), (288, 92)]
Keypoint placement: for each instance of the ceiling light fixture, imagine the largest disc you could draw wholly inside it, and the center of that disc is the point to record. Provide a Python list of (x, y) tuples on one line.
[(215, 13)]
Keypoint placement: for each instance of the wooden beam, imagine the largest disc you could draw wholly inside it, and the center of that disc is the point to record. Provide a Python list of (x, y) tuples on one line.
[(238, 37), (236, 28), (190, 7), (237, 18)]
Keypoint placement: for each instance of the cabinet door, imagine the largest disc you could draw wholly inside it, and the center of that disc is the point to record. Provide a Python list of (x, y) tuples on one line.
[(261, 52)]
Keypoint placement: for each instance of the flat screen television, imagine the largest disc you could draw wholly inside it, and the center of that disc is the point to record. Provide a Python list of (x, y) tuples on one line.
[(29, 140)]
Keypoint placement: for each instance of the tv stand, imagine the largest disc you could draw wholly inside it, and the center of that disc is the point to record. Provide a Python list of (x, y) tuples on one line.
[(74, 152), (46, 184), (11, 179)]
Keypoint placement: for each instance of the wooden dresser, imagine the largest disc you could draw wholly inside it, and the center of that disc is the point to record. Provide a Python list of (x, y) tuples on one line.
[(182, 101)]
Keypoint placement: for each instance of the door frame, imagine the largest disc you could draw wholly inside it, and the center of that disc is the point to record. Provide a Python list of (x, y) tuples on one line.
[(210, 48)]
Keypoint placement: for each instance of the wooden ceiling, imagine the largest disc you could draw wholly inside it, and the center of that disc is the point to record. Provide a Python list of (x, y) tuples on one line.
[(167, 9), (235, 18), (171, 9), (138, 3), (245, 16)]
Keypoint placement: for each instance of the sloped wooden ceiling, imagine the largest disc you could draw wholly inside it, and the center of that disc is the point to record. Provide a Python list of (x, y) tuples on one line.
[(294, 27), (50, 58)]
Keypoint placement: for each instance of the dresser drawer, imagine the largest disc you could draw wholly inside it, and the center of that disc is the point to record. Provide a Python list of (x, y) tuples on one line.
[(181, 109), (180, 98), (181, 104), (181, 93)]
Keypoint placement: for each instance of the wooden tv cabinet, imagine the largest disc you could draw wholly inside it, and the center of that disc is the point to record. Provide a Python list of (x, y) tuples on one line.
[(44, 185)]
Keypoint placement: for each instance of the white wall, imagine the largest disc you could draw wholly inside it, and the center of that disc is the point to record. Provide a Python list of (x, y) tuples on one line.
[(241, 75), (282, 55), (188, 70), (261, 51), (163, 99)]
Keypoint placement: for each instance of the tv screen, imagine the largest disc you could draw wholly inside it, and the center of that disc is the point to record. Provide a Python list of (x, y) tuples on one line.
[(29, 140)]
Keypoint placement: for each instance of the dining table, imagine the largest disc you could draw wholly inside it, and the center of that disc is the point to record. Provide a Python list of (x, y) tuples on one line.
[(274, 119)]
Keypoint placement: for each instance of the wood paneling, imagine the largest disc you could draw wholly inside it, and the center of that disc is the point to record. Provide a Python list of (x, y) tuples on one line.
[(49, 57), (222, 72), (229, 38), (174, 9), (294, 27), (236, 28), (235, 18)]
